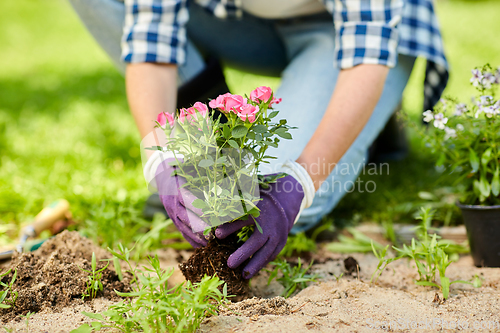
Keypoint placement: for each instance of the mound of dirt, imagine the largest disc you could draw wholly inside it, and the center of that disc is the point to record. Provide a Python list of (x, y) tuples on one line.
[(212, 259), (257, 307), (51, 278)]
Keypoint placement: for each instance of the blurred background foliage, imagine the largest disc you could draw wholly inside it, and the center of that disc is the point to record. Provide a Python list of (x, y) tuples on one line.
[(66, 132)]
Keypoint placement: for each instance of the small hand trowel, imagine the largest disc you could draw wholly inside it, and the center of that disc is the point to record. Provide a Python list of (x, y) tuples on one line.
[(56, 211)]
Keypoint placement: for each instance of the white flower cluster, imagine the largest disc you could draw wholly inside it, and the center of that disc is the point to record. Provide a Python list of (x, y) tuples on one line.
[(440, 122), (439, 119), (488, 106), (485, 79)]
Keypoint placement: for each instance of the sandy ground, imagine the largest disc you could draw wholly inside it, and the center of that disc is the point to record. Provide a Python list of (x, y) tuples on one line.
[(346, 304)]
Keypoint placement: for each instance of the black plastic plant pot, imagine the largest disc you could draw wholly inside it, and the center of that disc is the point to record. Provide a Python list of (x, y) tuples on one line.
[(483, 231)]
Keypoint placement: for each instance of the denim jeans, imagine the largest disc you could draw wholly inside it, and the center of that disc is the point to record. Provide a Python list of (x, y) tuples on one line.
[(301, 52)]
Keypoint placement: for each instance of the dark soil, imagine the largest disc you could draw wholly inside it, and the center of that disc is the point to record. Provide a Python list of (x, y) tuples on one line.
[(351, 265), (50, 277), (212, 259)]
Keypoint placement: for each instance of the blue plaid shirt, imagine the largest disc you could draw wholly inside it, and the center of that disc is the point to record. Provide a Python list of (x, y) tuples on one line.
[(367, 32)]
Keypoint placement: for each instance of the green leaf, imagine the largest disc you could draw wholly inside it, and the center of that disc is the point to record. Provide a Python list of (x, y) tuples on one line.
[(259, 227), (205, 163), (282, 132), (239, 131), (272, 276), (224, 289), (94, 262), (474, 160), (445, 285), (255, 212), (4, 306), (118, 268), (461, 281), (259, 128), (85, 328), (233, 144), (96, 325), (254, 153), (427, 196), (273, 114), (486, 158), (343, 247), (477, 283), (441, 159), (476, 186), (484, 186), (221, 160), (495, 183), (226, 131), (426, 283), (198, 203)]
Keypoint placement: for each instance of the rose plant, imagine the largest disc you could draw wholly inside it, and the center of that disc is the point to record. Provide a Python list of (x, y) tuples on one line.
[(218, 150), (466, 138)]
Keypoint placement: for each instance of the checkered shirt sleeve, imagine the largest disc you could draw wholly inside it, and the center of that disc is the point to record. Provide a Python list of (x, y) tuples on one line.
[(421, 36), (154, 31), (366, 31)]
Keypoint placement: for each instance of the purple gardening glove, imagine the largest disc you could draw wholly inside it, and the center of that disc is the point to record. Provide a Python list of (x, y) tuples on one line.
[(279, 208), (178, 201)]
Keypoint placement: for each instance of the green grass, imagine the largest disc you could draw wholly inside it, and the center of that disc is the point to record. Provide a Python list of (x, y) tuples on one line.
[(65, 128)]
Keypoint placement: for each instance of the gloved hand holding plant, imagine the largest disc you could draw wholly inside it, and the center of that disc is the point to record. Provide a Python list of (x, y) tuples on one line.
[(207, 175)]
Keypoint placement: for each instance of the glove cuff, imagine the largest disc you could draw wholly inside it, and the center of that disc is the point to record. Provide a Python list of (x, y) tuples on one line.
[(152, 165), (298, 172)]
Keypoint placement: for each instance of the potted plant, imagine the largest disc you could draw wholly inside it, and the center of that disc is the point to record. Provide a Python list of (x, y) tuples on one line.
[(218, 152), (466, 137)]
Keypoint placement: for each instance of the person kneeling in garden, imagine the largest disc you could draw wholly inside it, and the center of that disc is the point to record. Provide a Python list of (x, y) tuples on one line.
[(344, 65)]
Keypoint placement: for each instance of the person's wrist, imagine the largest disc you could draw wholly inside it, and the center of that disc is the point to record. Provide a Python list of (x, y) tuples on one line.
[(302, 177), (316, 177), (151, 167)]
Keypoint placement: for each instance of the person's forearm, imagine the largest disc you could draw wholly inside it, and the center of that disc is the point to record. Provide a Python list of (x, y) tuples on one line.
[(151, 89), (356, 94)]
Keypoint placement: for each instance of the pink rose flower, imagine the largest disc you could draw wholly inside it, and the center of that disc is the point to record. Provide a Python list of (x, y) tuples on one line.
[(275, 101), (235, 103), (191, 114), (161, 119), (219, 102), (183, 115), (164, 117), (200, 107), (261, 94), (248, 112)]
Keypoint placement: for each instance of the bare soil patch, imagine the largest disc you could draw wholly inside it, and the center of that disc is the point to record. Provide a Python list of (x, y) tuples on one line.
[(336, 303), (51, 278)]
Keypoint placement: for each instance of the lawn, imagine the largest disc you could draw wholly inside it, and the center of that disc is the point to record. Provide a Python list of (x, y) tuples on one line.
[(66, 132)]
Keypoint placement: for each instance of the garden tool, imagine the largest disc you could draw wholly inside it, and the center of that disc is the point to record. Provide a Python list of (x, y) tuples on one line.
[(47, 219)]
